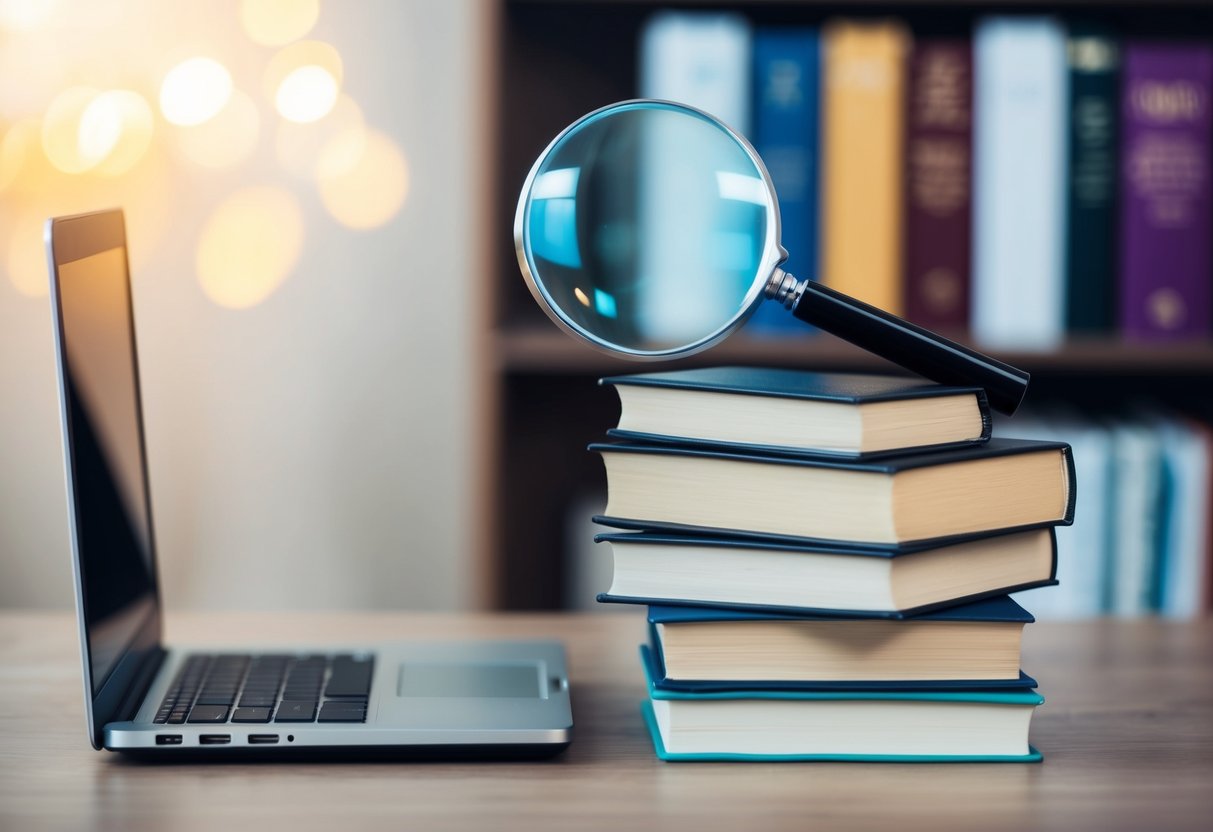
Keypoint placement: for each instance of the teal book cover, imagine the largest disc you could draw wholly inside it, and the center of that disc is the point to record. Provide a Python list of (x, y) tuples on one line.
[(656, 693)]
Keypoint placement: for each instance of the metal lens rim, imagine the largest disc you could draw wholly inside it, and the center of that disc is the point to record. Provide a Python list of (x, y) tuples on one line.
[(773, 253)]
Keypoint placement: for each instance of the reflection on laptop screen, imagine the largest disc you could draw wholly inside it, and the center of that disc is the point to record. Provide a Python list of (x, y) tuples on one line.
[(113, 530)]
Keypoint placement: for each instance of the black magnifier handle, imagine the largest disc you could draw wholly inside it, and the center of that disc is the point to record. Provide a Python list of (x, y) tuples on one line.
[(903, 343)]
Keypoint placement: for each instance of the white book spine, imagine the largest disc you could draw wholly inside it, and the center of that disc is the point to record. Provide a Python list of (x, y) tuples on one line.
[(1020, 115), (699, 59)]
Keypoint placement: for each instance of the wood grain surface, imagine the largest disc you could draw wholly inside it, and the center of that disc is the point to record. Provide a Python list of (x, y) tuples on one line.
[(1127, 734)]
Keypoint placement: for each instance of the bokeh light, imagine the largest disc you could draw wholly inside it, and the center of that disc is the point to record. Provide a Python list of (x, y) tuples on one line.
[(298, 146), (20, 141), (134, 114), (195, 91), (305, 53), (307, 94), (24, 15), (99, 130), (61, 130), (116, 131), (363, 178), (278, 22), (26, 259), (227, 139), (249, 246)]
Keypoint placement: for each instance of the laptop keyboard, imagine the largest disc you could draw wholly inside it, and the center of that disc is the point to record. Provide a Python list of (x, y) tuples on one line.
[(239, 688)]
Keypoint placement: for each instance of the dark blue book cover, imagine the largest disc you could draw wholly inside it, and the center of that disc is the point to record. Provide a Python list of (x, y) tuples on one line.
[(650, 655), (629, 510), (774, 382), (786, 100), (1001, 608), (808, 548)]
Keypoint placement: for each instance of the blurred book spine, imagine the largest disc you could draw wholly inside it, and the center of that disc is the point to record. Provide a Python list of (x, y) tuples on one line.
[(701, 59), (1142, 540), (786, 104), (863, 113), (1165, 220), (1033, 181), (1090, 251), (938, 179), (1020, 178)]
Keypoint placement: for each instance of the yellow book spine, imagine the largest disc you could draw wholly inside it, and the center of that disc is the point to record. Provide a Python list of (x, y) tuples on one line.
[(863, 116)]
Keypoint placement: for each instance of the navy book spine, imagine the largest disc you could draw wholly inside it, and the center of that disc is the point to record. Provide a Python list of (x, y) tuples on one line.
[(786, 101)]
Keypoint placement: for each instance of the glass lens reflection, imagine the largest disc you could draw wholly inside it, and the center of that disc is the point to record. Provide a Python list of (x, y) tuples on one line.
[(646, 227)]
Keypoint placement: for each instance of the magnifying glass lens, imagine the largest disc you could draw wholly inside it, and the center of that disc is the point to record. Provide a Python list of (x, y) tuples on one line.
[(645, 229), (651, 230)]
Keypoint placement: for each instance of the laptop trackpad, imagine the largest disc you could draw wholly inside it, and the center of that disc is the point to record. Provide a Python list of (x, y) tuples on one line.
[(470, 686), (479, 680)]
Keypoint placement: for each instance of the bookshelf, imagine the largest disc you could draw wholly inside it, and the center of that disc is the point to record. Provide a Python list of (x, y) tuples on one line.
[(541, 404)]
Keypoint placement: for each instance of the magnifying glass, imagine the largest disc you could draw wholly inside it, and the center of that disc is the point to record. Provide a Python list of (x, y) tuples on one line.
[(651, 230)]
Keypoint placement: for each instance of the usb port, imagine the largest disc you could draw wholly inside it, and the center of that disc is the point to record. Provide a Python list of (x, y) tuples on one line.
[(214, 739), (168, 739), (262, 739)]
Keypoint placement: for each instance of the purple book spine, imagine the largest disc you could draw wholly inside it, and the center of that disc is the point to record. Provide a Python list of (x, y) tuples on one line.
[(1166, 250)]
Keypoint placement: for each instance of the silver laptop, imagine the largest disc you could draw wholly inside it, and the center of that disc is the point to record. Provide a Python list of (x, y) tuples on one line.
[(145, 698)]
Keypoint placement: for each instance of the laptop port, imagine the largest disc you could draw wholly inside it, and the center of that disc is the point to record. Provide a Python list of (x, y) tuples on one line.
[(214, 739), (262, 739), (168, 739)]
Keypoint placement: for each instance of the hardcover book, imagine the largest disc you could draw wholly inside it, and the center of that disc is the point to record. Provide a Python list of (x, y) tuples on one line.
[(938, 184), (1091, 199), (1165, 201), (974, 642), (872, 726), (793, 411), (650, 568), (1020, 180), (786, 103), (862, 122), (1004, 484), (1082, 551)]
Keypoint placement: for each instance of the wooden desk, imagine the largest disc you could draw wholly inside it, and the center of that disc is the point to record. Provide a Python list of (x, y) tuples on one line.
[(1127, 735)]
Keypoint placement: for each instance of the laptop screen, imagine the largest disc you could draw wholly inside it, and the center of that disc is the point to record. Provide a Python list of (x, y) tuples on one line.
[(106, 455)]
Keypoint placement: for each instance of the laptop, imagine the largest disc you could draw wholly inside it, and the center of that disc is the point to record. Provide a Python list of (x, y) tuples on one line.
[(146, 698)]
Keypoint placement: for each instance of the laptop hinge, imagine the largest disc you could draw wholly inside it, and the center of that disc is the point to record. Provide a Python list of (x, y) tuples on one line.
[(141, 683)]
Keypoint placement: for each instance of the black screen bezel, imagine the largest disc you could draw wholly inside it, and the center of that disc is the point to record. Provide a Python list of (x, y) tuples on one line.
[(69, 239)]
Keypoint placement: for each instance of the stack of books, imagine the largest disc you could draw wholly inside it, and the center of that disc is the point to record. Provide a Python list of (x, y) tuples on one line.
[(826, 559)]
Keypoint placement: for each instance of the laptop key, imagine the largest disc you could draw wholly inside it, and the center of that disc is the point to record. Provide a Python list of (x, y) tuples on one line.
[(215, 698), (209, 713), (251, 715), (342, 712), (296, 711), (350, 677)]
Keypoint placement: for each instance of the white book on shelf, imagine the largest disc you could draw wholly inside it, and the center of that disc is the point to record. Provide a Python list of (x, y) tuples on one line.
[(1183, 572), (1019, 194), (701, 59)]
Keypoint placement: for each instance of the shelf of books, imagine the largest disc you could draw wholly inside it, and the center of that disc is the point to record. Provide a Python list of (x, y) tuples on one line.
[(1032, 179)]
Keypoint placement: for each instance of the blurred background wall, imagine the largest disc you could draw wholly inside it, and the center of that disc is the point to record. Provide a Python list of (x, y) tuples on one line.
[(299, 288)]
